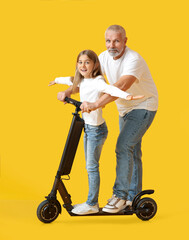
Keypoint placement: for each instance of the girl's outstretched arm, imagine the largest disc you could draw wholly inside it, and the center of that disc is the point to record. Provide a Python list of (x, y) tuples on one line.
[(52, 83), (67, 81), (116, 92), (62, 80), (131, 97)]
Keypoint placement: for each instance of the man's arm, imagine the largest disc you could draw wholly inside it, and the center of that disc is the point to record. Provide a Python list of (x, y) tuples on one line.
[(123, 83)]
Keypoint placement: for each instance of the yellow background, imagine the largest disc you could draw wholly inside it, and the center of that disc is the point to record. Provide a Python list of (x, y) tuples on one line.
[(40, 41)]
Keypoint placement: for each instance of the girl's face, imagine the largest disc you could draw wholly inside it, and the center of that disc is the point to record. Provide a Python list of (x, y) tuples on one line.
[(85, 66)]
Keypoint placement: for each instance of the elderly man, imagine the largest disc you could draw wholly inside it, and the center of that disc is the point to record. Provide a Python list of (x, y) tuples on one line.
[(127, 70)]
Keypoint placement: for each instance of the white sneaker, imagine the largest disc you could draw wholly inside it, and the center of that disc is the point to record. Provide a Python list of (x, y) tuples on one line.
[(76, 205), (84, 209), (115, 205), (128, 203)]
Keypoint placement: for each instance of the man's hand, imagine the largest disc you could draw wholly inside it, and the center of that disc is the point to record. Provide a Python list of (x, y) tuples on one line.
[(88, 107)]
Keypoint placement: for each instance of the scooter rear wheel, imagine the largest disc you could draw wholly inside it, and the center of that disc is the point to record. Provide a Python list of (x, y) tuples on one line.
[(47, 211), (146, 209)]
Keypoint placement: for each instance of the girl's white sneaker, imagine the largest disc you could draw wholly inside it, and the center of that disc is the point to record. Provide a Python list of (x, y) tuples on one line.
[(84, 209)]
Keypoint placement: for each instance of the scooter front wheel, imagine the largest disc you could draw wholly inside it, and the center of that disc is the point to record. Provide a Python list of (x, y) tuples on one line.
[(48, 211), (146, 209)]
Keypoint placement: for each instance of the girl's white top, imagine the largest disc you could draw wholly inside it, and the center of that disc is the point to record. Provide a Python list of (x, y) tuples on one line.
[(91, 90)]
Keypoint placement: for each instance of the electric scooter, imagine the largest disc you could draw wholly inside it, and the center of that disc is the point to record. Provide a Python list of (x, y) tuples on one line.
[(49, 210)]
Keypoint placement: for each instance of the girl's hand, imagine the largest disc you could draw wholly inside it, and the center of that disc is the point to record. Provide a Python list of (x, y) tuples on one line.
[(61, 96), (52, 83), (131, 97)]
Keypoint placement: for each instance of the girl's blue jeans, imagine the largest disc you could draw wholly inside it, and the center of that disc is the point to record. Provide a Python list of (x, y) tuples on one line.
[(133, 126), (94, 139)]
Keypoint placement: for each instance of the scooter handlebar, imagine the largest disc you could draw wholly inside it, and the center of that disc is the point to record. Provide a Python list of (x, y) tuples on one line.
[(73, 102)]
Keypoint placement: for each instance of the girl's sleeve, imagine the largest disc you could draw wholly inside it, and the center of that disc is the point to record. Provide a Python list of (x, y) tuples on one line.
[(112, 90), (64, 80)]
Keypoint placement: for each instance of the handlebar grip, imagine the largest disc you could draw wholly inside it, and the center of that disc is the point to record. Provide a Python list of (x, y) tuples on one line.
[(73, 102)]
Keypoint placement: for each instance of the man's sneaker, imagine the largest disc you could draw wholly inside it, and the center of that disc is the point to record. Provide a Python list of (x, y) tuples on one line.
[(114, 205), (85, 209), (128, 203)]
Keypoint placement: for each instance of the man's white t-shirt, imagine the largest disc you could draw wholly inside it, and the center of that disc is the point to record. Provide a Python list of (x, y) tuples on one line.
[(91, 90), (131, 63)]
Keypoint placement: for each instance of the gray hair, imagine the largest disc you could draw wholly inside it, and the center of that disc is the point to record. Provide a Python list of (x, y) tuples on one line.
[(117, 28)]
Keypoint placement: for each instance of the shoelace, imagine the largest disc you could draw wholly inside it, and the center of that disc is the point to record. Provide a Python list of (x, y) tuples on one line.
[(113, 196), (112, 200)]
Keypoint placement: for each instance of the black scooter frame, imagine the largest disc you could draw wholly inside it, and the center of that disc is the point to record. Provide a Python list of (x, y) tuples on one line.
[(49, 209), (68, 157)]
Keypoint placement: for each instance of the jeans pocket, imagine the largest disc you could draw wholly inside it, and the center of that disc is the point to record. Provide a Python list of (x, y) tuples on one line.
[(149, 116), (96, 132), (146, 114)]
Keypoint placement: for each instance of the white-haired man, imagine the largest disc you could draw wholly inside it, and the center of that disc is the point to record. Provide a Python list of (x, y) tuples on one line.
[(127, 70)]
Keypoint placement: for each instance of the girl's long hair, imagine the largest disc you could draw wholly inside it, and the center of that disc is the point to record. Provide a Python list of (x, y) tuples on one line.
[(95, 72)]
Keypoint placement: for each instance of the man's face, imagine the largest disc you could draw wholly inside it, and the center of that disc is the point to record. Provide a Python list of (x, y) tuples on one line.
[(115, 43)]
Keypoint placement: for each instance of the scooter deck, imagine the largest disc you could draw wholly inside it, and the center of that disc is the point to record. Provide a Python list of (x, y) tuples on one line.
[(126, 211)]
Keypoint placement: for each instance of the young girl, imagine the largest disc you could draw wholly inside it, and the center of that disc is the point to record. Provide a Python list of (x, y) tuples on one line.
[(89, 82)]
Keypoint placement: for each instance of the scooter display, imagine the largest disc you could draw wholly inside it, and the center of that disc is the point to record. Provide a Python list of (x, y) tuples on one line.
[(48, 210)]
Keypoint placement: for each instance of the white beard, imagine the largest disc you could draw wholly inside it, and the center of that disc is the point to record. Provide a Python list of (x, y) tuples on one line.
[(114, 52)]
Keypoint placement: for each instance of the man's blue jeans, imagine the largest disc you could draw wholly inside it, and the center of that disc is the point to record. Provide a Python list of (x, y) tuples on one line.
[(94, 139), (133, 126)]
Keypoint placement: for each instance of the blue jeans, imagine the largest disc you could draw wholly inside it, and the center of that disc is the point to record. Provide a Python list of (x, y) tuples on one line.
[(133, 126), (94, 139)]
